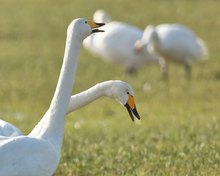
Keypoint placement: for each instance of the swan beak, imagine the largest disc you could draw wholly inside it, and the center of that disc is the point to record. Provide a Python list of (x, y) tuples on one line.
[(95, 26), (130, 105), (138, 47)]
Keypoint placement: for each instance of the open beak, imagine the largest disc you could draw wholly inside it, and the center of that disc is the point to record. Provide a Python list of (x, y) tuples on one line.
[(132, 110), (95, 26)]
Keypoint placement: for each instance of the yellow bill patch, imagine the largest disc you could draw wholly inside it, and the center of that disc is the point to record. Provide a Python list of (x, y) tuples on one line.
[(131, 102), (92, 24)]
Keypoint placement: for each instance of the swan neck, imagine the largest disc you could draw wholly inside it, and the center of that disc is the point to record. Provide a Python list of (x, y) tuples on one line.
[(63, 90), (51, 126), (81, 99)]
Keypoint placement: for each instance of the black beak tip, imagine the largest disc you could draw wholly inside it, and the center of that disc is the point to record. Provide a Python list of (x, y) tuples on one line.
[(97, 30), (132, 111), (132, 118), (138, 117), (100, 24)]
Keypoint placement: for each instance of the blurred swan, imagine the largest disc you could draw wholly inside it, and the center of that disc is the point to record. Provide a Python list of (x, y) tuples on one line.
[(174, 43), (118, 90), (101, 16), (117, 45), (38, 153)]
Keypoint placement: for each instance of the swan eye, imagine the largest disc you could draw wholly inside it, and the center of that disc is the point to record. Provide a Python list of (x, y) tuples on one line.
[(128, 93), (86, 22)]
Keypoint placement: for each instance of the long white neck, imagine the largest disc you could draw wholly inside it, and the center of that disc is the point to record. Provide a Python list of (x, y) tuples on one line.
[(51, 126), (79, 100)]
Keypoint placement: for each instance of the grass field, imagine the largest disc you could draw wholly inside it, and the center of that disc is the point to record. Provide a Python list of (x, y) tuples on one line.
[(179, 133)]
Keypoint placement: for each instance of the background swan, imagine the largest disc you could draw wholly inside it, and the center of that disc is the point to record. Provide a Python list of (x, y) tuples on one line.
[(38, 154), (117, 45), (174, 43), (101, 16), (118, 90)]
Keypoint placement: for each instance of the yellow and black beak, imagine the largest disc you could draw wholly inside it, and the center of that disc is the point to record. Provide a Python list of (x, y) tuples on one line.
[(130, 105), (95, 26)]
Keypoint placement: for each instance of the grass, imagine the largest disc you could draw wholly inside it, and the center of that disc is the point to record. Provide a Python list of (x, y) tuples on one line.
[(180, 126)]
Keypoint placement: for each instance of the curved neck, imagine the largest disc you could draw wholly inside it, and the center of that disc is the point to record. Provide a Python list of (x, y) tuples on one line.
[(51, 126), (79, 100)]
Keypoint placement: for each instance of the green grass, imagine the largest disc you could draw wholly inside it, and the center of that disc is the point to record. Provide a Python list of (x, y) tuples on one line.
[(179, 133)]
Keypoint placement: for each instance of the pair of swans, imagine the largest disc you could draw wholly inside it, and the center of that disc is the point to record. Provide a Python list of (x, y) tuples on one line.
[(126, 45), (38, 153), (117, 44), (173, 43)]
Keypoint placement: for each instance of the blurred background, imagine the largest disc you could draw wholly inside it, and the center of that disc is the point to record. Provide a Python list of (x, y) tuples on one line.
[(179, 130)]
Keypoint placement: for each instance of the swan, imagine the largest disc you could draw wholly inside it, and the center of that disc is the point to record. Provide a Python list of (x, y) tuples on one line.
[(173, 43), (117, 45), (38, 153), (116, 89)]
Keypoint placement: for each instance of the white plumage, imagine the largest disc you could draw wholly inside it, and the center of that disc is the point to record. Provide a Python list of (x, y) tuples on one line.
[(174, 43), (38, 154), (117, 45)]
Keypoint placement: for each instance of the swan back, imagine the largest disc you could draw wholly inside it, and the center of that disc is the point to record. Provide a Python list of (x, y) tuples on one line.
[(175, 42), (204, 52), (117, 45)]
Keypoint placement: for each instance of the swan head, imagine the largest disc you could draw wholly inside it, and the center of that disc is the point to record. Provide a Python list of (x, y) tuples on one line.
[(83, 28), (124, 94), (146, 51), (144, 43), (101, 16)]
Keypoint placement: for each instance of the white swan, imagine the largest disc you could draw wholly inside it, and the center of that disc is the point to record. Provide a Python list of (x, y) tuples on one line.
[(118, 90), (117, 45), (174, 43), (38, 154)]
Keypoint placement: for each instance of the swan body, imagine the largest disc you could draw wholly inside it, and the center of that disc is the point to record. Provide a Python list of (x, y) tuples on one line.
[(38, 153), (174, 43), (117, 46), (118, 90)]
